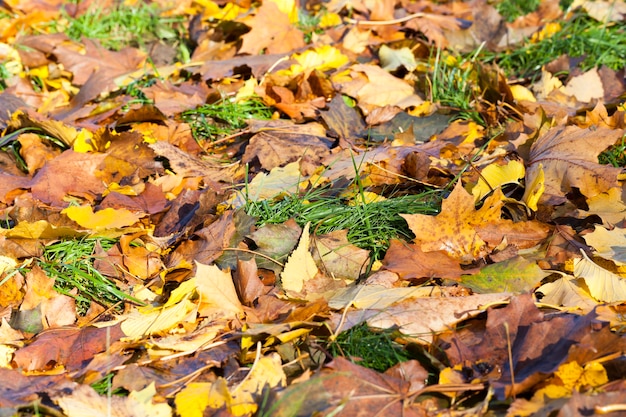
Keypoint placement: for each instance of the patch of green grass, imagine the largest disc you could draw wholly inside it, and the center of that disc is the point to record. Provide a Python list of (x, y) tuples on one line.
[(224, 117), (374, 349), (126, 25), (70, 263), (452, 83), (309, 25), (512, 9), (134, 89), (103, 386), (615, 155), (582, 37), (370, 226)]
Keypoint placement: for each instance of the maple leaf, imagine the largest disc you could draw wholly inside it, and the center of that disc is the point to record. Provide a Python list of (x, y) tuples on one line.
[(271, 31), (468, 234), (569, 157)]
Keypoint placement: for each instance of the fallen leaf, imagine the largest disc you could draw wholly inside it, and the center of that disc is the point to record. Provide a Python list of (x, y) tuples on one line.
[(69, 174), (467, 234), (338, 257), (603, 285), (495, 175), (104, 219), (610, 244), (421, 319), (515, 275), (300, 267), (374, 87), (271, 32), (84, 401), (569, 157), (410, 262), (568, 291), (218, 297)]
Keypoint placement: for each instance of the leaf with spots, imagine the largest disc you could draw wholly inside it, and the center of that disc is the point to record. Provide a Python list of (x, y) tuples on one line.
[(468, 234)]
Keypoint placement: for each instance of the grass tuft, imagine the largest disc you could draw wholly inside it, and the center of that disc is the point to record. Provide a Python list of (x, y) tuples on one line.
[(127, 25), (224, 117), (373, 349), (452, 82), (614, 155), (70, 263), (595, 43), (370, 226)]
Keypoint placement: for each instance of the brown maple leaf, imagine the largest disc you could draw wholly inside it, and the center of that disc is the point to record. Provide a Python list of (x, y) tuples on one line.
[(271, 31), (569, 157)]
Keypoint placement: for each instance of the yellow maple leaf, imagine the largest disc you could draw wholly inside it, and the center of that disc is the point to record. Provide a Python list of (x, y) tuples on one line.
[(453, 230), (104, 219), (573, 377)]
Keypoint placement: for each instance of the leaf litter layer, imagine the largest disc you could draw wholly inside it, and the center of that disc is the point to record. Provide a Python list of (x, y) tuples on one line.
[(312, 208)]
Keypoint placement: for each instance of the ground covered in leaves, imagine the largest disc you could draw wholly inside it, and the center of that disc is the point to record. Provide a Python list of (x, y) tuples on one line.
[(314, 208)]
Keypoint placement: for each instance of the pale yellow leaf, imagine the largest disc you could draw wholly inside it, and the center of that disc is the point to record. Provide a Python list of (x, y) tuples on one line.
[(377, 297), (264, 186), (218, 296), (156, 320), (585, 87), (567, 292), (85, 402), (300, 266), (392, 59), (608, 244), (603, 285)]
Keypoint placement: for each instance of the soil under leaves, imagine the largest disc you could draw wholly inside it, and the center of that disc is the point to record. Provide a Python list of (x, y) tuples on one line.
[(326, 208)]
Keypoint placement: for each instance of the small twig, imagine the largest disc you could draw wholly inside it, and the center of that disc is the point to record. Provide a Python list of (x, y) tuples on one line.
[(226, 139), (385, 22), (257, 254), (510, 353)]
